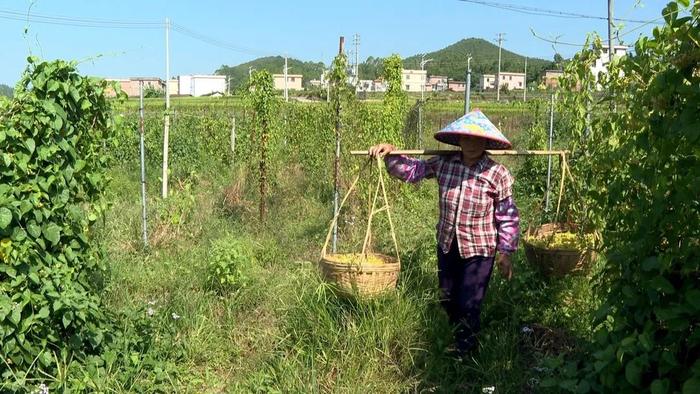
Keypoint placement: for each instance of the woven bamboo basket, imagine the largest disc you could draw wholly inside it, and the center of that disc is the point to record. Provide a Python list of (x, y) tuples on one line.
[(556, 262), (361, 279), (358, 277)]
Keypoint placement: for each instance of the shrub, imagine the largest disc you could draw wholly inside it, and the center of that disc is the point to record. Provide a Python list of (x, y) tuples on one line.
[(230, 266)]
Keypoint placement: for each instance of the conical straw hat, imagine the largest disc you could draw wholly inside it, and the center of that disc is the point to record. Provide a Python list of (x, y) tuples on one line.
[(474, 124)]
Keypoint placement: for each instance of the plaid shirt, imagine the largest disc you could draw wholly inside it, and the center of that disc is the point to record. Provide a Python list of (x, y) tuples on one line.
[(476, 202)]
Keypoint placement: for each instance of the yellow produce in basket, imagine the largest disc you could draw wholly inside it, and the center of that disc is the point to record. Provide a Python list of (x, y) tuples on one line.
[(357, 258), (563, 240)]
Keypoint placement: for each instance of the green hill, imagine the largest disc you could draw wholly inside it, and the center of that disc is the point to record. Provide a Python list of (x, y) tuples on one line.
[(273, 64), (451, 61), (6, 90)]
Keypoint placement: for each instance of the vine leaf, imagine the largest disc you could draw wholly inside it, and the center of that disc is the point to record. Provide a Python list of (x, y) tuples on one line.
[(5, 218)]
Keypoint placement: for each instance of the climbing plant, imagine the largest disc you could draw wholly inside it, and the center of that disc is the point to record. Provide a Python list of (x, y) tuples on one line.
[(637, 163), (53, 136), (261, 95), (395, 103)]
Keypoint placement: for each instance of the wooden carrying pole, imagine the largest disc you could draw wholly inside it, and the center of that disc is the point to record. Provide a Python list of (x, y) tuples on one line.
[(438, 152)]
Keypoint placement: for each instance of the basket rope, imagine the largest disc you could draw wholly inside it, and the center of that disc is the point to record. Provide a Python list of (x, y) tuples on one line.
[(368, 234)]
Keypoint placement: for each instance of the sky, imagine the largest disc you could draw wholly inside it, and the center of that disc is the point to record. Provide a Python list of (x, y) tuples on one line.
[(304, 29)]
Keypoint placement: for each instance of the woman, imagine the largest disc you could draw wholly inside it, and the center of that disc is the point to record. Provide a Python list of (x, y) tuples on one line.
[(478, 216)]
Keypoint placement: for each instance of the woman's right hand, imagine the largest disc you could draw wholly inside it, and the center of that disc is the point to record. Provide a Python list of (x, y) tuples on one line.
[(381, 150)]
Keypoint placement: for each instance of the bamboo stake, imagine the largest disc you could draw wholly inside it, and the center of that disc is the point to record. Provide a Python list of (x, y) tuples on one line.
[(388, 211), (438, 152), (369, 220), (562, 163)]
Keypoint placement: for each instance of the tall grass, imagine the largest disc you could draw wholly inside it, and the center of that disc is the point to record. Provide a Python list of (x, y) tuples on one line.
[(288, 331)]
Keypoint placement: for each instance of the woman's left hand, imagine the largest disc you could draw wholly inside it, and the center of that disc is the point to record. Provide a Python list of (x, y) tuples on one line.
[(504, 265)]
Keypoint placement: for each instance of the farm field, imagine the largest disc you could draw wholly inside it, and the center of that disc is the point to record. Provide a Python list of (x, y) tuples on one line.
[(225, 294)]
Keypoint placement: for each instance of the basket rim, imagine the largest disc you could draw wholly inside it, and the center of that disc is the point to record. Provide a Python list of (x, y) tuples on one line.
[(391, 266)]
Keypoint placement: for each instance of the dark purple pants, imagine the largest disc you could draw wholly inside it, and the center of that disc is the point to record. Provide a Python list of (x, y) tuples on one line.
[(463, 283)]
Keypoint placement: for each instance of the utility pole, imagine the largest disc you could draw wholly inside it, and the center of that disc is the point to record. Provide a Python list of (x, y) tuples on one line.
[(250, 72), (468, 88), (423, 62), (356, 69), (610, 24), (166, 129), (498, 76), (286, 96), (525, 82)]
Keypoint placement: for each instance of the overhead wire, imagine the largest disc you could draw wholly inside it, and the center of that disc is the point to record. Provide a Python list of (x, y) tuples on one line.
[(78, 21), (545, 12)]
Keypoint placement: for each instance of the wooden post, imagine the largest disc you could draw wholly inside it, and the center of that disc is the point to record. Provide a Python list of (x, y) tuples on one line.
[(336, 167)]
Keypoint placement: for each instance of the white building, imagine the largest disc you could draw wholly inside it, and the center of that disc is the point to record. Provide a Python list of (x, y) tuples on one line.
[(368, 85), (413, 80), (201, 85), (509, 80), (601, 64)]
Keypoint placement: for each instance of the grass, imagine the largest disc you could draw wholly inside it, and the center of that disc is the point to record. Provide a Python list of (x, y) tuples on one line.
[(287, 331)]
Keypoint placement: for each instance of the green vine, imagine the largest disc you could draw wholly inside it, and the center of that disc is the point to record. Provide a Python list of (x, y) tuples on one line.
[(395, 103), (52, 138), (636, 164), (262, 97)]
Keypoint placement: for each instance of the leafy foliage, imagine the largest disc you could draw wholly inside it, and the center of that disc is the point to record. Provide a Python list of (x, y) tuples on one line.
[(395, 103), (262, 98), (51, 188), (637, 161), (231, 262)]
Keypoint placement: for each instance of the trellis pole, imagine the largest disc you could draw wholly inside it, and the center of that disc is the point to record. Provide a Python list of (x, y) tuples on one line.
[(143, 165)]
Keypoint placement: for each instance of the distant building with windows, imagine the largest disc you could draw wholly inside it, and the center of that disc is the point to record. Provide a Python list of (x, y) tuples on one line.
[(436, 83), (293, 81), (456, 86), (601, 64), (369, 85), (413, 80), (130, 86), (509, 80), (550, 78)]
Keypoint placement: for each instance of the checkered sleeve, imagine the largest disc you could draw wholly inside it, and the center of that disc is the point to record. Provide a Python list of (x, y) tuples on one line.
[(412, 170), (504, 184), (507, 225)]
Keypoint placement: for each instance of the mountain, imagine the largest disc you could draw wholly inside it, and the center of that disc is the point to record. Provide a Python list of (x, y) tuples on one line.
[(451, 61), (273, 64), (6, 90)]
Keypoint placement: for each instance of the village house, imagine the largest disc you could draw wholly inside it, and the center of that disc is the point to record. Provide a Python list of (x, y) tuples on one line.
[(130, 86), (413, 80), (369, 85), (550, 78), (201, 85), (437, 83), (601, 64), (456, 86), (508, 80), (293, 81)]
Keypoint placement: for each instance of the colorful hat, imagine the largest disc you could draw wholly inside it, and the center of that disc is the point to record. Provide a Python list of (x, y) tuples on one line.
[(474, 124)]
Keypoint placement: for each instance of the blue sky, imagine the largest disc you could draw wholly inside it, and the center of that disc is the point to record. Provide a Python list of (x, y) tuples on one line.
[(304, 29)]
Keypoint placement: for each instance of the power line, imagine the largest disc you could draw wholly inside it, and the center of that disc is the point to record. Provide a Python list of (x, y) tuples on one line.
[(545, 12), (628, 32), (77, 22), (218, 43)]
